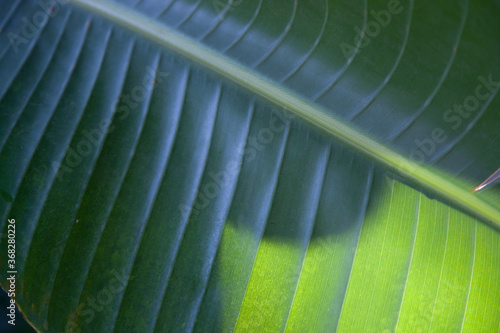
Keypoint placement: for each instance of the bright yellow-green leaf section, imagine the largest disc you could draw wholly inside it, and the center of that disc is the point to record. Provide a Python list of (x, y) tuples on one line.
[(416, 265)]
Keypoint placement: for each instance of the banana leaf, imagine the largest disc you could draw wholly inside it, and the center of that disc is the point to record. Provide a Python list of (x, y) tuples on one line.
[(250, 166)]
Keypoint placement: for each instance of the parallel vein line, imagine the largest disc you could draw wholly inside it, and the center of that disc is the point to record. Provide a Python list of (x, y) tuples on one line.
[(156, 185), (154, 200), (362, 217), (442, 266), (93, 164), (186, 225), (388, 218), (436, 89), (310, 231), (305, 109), (30, 159), (411, 259), (344, 68), (56, 271), (218, 22), (188, 17), (453, 142), (240, 164), (7, 19), (269, 207), (473, 263), (165, 10), (245, 30), (30, 162), (280, 39), (313, 48), (393, 69), (116, 193), (38, 80)]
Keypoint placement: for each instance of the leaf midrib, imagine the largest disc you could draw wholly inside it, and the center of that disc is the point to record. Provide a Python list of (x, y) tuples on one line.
[(296, 105)]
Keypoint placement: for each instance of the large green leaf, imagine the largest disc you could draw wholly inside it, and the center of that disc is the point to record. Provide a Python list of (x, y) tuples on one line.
[(251, 165)]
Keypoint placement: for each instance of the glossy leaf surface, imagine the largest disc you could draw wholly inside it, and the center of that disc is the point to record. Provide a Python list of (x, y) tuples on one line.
[(251, 165)]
